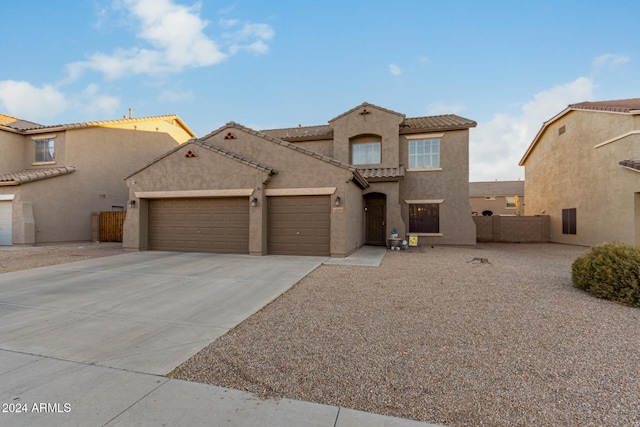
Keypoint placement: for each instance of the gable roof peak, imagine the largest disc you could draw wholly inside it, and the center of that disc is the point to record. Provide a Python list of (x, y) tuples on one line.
[(364, 106)]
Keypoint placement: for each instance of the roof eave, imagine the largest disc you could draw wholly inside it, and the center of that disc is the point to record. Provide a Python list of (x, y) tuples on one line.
[(439, 128)]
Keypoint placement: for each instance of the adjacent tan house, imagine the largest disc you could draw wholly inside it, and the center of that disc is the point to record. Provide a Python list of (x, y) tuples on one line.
[(53, 177), (319, 190), (583, 170), (496, 197)]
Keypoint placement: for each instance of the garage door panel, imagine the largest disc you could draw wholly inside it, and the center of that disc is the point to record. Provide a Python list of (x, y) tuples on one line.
[(299, 225), (203, 225)]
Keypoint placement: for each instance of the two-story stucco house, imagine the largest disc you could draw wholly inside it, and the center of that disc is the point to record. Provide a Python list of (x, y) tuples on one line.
[(582, 169), (320, 190), (53, 177)]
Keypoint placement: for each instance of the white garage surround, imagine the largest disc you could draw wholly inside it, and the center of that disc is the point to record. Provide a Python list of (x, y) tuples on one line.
[(6, 212)]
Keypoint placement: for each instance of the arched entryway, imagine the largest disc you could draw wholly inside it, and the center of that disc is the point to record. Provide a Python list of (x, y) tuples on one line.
[(375, 205)]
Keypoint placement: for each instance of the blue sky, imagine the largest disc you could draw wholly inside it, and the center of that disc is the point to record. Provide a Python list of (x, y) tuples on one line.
[(508, 65)]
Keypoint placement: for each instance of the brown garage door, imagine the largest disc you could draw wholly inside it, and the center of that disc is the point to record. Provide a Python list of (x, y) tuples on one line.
[(299, 225), (219, 225)]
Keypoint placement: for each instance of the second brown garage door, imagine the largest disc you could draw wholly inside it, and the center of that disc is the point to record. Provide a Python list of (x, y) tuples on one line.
[(219, 225), (299, 225)]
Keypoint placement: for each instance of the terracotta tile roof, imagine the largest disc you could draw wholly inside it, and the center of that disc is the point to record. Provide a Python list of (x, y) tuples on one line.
[(496, 188), (302, 133), (383, 174), (631, 164), (15, 123), (617, 106), (408, 126), (435, 123), (29, 175)]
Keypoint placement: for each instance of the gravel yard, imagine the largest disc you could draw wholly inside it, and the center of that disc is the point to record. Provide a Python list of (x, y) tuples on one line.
[(14, 258), (433, 337)]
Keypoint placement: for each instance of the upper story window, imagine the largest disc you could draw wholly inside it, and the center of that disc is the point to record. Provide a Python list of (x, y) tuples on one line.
[(45, 150), (424, 153), (365, 150)]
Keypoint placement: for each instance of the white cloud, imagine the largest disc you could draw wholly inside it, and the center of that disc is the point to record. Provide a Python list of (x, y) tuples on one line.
[(43, 104), (247, 36), (395, 70), (497, 146), (92, 103), (172, 39), (23, 100), (610, 61)]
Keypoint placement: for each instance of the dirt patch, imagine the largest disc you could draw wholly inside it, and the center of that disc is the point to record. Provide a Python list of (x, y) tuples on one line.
[(15, 258)]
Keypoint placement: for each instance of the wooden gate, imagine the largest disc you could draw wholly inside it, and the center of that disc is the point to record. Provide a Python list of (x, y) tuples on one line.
[(111, 224)]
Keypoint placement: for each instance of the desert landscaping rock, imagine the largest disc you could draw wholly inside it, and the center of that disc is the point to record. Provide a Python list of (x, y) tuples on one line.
[(428, 336), (15, 258), (431, 337)]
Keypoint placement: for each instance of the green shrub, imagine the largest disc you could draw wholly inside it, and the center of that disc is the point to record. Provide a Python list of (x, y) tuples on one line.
[(609, 271)]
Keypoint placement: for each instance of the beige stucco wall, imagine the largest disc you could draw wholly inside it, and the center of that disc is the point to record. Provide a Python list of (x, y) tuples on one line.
[(178, 176), (12, 148), (297, 172), (449, 183), (169, 126), (324, 147), (378, 122), (566, 171), (103, 157)]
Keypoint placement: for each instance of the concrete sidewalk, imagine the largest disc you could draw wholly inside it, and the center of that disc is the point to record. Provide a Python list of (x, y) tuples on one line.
[(88, 343)]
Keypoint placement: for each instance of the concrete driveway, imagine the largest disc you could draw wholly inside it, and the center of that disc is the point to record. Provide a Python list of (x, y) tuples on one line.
[(142, 312), (88, 343)]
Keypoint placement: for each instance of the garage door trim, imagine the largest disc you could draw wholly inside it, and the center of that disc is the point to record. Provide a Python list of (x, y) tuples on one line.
[(314, 191), (192, 194)]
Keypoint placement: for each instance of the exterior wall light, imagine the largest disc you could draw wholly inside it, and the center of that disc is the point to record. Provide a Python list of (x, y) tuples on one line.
[(132, 203), (338, 201), (254, 202)]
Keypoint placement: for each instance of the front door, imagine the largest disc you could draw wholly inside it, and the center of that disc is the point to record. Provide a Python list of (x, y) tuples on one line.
[(376, 217)]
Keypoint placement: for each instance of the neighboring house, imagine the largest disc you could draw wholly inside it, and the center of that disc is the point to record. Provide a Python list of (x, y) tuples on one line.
[(320, 190), (496, 197), (53, 177), (582, 169)]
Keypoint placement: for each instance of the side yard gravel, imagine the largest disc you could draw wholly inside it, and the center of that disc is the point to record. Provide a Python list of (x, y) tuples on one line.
[(430, 336), (14, 258)]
